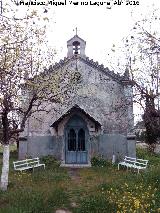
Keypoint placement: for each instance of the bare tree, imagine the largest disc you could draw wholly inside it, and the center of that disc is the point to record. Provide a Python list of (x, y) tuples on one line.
[(141, 53)]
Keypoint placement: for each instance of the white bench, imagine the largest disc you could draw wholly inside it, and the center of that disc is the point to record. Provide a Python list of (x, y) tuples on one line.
[(27, 164), (135, 163)]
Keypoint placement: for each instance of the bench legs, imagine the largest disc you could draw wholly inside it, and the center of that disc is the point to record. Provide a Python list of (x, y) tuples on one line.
[(127, 168), (38, 166)]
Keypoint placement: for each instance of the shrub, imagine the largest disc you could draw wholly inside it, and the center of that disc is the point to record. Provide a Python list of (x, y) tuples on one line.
[(99, 161), (50, 161)]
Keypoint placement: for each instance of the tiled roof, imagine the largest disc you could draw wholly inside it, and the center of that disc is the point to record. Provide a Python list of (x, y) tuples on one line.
[(75, 108), (76, 36)]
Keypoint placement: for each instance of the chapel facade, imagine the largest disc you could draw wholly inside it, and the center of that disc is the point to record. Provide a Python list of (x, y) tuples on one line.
[(97, 121)]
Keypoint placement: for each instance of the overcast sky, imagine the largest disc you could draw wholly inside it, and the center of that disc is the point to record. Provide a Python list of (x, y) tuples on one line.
[(98, 26)]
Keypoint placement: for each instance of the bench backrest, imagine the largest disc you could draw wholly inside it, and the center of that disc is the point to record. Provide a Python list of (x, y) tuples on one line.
[(25, 163), (141, 162), (136, 161), (129, 159)]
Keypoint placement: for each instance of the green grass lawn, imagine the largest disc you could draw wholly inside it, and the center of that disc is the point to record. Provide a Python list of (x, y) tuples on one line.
[(90, 190)]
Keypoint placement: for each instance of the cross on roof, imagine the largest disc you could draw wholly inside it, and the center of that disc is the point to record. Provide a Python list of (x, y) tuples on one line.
[(75, 30)]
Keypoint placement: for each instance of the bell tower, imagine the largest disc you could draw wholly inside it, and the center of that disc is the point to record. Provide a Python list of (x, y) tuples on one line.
[(76, 46)]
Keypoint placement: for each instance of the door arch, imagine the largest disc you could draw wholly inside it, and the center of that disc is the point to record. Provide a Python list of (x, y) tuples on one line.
[(76, 137)]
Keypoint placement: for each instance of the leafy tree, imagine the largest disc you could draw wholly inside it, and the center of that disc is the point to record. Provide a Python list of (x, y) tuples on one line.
[(25, 83)]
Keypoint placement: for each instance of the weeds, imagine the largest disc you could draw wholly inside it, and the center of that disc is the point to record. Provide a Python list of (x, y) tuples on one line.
[(101, 188)]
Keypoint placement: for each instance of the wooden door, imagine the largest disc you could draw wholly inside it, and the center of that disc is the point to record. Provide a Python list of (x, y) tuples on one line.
[(76, 144)]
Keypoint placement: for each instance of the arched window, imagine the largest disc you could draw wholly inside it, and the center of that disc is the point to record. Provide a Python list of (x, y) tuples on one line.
[(71, 140), (76, 47), (81, 140)]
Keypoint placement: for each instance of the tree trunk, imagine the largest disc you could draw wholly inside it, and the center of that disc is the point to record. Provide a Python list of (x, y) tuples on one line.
[(5, 168)]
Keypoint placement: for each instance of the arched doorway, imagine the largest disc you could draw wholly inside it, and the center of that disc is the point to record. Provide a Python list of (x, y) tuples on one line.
[(76, 146)]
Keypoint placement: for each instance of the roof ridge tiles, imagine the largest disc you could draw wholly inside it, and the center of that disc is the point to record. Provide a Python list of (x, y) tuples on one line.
[(112, 74), (87, 60)]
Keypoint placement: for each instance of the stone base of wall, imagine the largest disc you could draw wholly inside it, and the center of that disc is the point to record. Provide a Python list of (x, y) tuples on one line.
[(38, 146), (105, 145), (118, 145)]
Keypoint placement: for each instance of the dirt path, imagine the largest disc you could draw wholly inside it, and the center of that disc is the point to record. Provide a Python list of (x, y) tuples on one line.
[(74, 174)]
